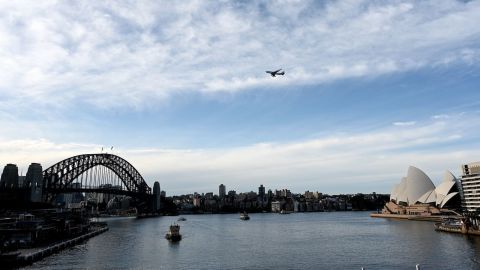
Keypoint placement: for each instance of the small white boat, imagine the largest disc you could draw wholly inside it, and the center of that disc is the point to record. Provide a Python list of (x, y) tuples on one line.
[(244, 216)]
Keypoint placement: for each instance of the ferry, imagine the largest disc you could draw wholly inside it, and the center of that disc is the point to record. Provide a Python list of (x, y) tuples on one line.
[(244, 216), (173, 233), (465, 225)]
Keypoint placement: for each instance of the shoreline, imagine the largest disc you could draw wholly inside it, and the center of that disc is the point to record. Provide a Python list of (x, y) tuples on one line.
[(409, 217), (22, 257)]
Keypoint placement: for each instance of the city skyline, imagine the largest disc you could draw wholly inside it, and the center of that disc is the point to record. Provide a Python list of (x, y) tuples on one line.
[(180, 91)]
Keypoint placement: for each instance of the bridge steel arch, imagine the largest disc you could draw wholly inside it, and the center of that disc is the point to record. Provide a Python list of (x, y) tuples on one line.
[(58, 177)]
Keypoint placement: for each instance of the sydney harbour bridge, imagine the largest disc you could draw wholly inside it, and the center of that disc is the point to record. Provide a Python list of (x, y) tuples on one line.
[(91, 173)]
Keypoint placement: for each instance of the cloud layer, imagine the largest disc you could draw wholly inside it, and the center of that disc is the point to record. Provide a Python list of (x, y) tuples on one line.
[(363, 162), (136, 53)]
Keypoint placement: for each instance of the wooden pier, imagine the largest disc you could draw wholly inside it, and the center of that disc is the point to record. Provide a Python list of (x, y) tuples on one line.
[(25, 257)]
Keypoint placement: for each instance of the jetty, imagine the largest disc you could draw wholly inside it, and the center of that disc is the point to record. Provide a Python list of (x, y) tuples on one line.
[(28, 256)]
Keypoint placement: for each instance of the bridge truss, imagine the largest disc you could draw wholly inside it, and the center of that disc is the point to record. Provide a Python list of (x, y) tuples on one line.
[(101, 173)]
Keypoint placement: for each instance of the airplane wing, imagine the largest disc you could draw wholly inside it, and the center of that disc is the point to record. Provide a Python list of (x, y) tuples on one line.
[(277, 71)]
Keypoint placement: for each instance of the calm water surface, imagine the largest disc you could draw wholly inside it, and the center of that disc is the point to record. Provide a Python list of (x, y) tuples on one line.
[(338, 240)]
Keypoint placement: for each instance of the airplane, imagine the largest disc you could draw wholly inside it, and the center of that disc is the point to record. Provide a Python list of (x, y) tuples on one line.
[(276, 72)]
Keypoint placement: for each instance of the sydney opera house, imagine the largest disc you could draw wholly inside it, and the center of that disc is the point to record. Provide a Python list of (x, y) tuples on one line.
[(417, 195)]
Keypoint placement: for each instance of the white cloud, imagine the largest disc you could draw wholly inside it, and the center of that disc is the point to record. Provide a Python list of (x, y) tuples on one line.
[(138, 53), (408, 123), (441, 116), (360, 162)]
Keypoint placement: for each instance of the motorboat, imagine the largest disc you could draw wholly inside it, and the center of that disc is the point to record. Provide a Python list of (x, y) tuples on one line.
[(244, 216), (173, 233)]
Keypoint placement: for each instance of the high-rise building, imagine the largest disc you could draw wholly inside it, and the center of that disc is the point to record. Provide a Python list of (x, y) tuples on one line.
[(261, 191), (9, 177), (156, 193), (221, 191), (285, 193), (470, 186), (34, 181), (270, 194)]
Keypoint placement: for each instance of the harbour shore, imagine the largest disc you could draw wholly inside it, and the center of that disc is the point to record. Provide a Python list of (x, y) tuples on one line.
[(409, 217), (28, 256)]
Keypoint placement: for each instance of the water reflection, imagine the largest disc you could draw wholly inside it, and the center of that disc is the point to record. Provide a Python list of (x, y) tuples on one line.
[(341, 240)]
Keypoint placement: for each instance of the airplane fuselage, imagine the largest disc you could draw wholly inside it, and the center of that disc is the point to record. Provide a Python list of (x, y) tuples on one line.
[(276, 72)]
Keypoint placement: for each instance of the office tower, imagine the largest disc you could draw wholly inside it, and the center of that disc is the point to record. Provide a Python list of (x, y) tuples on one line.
[(221, 191)]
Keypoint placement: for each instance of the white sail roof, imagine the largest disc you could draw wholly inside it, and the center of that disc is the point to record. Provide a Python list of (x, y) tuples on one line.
[(447, 198), (401, 195), (445, 187), (418, 188), (448, 177), (393, 194), (428, 197), (417, 184)]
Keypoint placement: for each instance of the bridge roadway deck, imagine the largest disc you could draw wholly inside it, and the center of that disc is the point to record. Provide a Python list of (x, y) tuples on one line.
[(99, 190)]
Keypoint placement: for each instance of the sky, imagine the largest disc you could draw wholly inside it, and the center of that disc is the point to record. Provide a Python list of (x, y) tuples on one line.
[(179, 89)]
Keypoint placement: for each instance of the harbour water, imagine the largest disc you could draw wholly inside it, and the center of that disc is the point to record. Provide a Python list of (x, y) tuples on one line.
[(335, 240)]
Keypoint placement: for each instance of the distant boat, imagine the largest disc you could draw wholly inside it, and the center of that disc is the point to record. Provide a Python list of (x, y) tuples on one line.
[(244, 216), (173, 233), (455, 225), (284, 212), (181, 219)]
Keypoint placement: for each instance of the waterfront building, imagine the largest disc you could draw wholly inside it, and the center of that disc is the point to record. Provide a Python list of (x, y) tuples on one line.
[(416, 194), (9, 176), (276, 206), (411, 187), (221, 191), (470, 185), (197, 201)]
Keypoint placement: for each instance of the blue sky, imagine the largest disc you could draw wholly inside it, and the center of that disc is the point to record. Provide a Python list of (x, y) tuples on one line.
[(179, 89)]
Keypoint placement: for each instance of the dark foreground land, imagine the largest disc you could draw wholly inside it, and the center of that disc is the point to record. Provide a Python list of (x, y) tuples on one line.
[(26, 237)]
